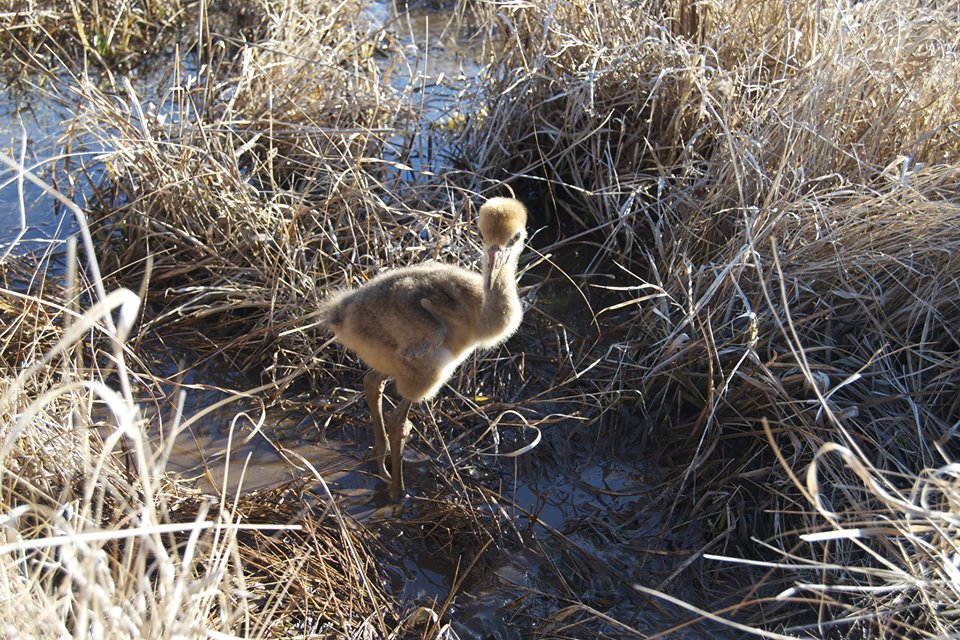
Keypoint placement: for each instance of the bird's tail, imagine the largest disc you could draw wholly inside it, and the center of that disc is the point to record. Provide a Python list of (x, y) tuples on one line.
[(330, 312)]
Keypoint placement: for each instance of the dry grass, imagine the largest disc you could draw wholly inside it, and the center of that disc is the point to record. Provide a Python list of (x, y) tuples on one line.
[(116, 34), (252, 181), (99, 542), (770, 190), (777, 182), (30, 325)]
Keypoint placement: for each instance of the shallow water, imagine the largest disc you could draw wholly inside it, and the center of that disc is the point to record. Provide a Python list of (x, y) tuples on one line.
[(582, 530), (29, 131)]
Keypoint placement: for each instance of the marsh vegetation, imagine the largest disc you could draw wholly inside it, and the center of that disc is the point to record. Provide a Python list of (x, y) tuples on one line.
[(740, 350)]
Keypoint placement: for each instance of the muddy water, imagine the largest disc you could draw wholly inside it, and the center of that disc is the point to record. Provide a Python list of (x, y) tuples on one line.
[(576, 523)]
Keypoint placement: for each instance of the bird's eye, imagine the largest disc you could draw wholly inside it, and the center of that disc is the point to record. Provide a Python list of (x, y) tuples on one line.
[(516, 237)]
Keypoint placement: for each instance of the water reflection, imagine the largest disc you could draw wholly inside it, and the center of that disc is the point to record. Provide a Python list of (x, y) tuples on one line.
[(31, 123)]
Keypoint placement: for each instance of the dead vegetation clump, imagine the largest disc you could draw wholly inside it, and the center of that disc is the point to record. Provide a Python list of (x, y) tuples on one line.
[(777, 185), (237, 189), (98, 541), (114, 34), (30, 325)]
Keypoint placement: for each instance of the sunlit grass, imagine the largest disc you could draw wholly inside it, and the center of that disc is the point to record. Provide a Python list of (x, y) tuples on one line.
[(767, 194)]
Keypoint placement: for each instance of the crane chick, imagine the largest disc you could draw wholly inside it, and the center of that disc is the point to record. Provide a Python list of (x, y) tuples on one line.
[(416, 324)]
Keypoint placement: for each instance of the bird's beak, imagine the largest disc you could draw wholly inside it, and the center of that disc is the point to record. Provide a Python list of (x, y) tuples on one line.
[(497, 257)]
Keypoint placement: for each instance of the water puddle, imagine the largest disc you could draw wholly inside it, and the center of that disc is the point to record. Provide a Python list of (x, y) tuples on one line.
[(31, 123)]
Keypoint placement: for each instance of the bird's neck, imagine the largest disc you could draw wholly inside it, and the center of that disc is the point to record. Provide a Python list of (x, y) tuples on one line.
[(500, 313)]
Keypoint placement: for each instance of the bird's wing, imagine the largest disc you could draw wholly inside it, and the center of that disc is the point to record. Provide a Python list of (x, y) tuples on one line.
[(450, 307), (435, 341)]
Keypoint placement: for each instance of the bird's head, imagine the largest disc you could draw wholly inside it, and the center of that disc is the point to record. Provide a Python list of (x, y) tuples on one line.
[(503, 228)]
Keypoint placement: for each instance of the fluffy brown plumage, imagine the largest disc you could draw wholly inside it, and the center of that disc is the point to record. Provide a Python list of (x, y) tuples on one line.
[(416, 324)]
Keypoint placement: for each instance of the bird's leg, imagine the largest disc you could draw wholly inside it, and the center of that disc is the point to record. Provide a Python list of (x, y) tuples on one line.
[(398, 430), (373, 384)]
